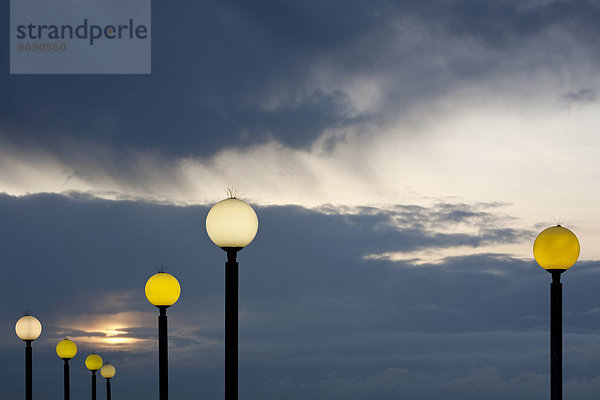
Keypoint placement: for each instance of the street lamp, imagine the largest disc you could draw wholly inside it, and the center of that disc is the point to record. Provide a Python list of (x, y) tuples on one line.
[(107, 371), (93, 362), (162, 290), (556, 249), (66, 350), (232, 225), (28, 328)]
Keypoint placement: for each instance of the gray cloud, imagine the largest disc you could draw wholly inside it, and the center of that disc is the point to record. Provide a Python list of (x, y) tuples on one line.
[(316, 318), (217, 64), (411, 227), (582, 96)]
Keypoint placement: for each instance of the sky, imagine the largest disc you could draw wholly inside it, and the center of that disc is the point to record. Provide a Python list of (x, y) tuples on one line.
[(401, 156)]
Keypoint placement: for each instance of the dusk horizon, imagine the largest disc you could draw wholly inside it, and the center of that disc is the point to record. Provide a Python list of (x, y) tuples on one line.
[(401, 157)]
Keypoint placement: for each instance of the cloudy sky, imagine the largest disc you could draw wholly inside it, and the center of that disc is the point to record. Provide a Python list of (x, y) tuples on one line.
[(401, 157)]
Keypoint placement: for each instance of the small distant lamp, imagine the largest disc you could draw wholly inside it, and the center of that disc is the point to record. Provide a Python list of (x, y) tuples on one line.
[(93, 362), (66, 350), (556, 249), (232, 225), (28, 328), (162, 291), (107, 371)]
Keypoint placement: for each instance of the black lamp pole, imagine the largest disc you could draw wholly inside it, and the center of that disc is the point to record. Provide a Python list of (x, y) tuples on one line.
[(556, 335), (107, 388), (67, 389), (28, 373), (231, 323), (231, 224), (94, 385), (163, 354)]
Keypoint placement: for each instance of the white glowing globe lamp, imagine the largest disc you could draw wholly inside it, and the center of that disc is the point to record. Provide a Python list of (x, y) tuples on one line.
[(231, 223), (107, 371), (28, 328)]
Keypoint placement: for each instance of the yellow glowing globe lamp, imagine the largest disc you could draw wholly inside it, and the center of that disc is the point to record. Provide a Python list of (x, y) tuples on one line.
[(162, 289), (93, 362), (66, 349), (556, 248), (28, 328), (108, 371), (231, 223)]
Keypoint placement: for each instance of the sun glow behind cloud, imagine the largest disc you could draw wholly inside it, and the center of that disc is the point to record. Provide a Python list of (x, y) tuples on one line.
[(115, 323), (468, 151), (107, 339), (538, 156), (108, 331)]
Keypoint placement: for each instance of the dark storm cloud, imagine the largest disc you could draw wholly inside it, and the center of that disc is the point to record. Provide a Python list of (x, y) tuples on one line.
[(317, 320), (218, 66), (211, 63), (510, 23)]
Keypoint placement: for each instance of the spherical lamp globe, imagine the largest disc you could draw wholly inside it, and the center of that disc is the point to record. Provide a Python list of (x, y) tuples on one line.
[(556, 248), (231, 223), (66, 349), (93, 362), (28, 328), (162, 289), (107, 371)]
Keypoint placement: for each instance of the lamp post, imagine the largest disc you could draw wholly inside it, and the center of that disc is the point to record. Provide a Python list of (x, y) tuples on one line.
[(232, 225), (556, 249), (93, 362), (107, 371), (28, 328), (66, 350), (162, 290)]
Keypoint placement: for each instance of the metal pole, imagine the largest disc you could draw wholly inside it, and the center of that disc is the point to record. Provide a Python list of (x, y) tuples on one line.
[(556, 336), (93, 385), (28, 373), (163, 362), (231, 325), (67, 389), (108, 389)]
